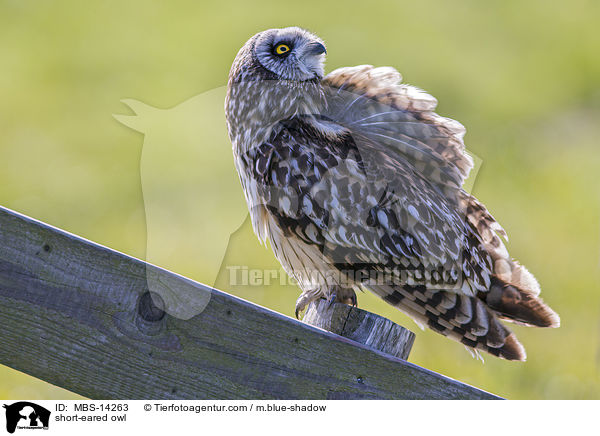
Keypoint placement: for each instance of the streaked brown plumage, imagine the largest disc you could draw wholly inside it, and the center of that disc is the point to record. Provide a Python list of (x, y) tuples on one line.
[(357, 184)]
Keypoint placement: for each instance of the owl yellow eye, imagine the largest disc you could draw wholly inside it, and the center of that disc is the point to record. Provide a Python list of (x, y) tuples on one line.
[(282, 49)]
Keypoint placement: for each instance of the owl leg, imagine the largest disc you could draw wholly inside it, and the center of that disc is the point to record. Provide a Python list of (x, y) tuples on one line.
[(336, 294)]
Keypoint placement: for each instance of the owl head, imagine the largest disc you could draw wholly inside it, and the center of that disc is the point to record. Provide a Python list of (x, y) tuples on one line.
[(290, 54), (277, 74)]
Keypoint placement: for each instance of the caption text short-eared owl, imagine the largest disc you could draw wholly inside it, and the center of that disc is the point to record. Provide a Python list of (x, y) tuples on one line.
[(356, 183)]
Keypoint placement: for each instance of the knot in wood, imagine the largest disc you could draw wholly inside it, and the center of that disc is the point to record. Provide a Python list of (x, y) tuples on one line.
[(150, 307)]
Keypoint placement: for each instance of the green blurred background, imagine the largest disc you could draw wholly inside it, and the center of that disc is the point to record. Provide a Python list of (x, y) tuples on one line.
[(522, 76)]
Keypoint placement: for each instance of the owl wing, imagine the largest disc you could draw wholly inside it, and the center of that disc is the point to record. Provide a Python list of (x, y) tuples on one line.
[(400, 120)]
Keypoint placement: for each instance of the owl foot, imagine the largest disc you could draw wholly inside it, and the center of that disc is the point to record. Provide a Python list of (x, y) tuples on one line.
[(305, 299), (343, 295), (337, 295)]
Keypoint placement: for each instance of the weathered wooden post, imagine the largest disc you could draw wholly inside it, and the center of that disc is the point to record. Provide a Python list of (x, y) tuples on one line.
[(361, 326)]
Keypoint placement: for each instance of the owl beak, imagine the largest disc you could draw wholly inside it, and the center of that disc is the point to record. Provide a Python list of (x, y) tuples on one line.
[(316, 48)]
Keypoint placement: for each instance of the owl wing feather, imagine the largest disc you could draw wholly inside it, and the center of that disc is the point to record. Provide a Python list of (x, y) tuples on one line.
[(400, 119)]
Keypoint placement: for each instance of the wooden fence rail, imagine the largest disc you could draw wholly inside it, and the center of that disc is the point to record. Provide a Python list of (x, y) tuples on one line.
[(80, 316)]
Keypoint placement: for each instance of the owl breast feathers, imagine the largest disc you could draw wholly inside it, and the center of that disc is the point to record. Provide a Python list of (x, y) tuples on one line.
[(356, 183)]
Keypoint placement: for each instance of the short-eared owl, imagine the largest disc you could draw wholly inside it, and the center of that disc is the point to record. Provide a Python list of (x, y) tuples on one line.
[(356, 183)]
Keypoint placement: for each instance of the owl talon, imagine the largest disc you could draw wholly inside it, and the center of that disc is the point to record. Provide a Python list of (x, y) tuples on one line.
[(332, 299), (304, 300)]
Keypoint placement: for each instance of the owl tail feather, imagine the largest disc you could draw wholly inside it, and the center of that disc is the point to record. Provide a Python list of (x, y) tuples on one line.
[(519, 306), (465, 319), (514, 291)]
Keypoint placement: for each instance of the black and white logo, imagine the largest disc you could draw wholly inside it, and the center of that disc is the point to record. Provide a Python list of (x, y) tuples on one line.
[(26, 415)]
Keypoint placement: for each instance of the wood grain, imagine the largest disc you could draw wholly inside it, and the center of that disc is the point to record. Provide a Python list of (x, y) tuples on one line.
[(79, 315)]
